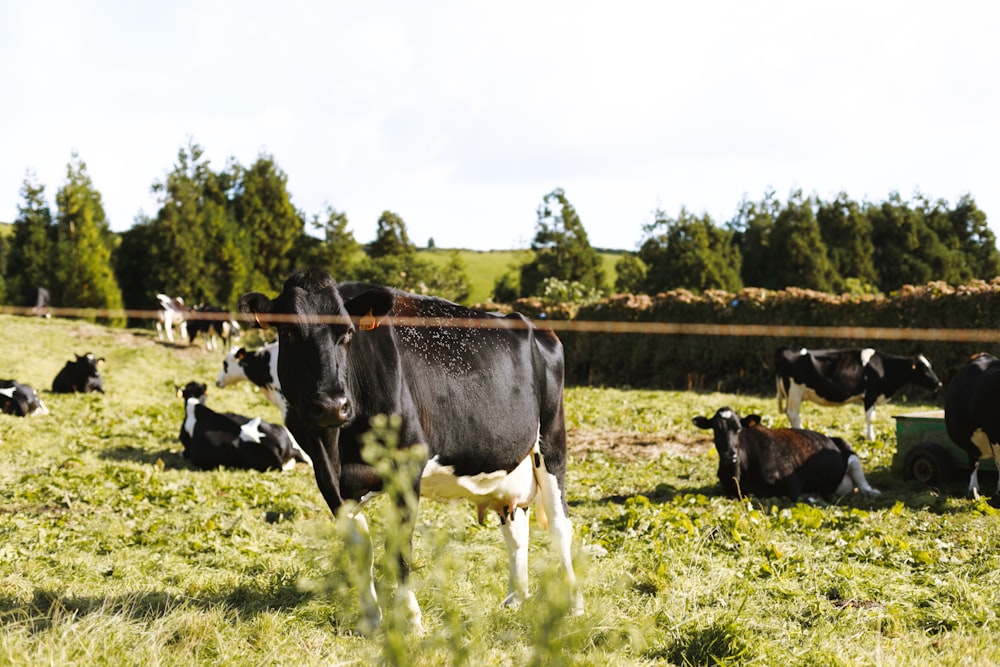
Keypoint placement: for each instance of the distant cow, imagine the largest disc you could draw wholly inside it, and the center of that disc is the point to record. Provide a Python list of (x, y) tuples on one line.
[(212, 439), (171, 311), (20, 400), (212, 323), (835, 377), (764, 462), (479, 395), (259, 367), (972, 413), (80, 376), (42, 304)]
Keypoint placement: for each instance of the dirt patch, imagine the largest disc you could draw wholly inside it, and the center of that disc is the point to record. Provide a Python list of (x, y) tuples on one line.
[(630, 446)]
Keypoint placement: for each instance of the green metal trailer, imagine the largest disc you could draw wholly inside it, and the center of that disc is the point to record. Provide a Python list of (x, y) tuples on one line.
[(924, 451)]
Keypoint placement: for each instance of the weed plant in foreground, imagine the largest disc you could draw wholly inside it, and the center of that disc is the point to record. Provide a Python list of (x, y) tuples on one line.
[(113, 551)]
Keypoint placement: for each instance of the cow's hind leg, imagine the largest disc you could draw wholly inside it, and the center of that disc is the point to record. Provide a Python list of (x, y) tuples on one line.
[(854, 477), (559, 525), (515, 530)]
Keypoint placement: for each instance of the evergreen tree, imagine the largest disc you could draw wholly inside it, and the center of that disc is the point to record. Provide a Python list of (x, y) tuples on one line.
[(562, 249), (689, 252), (630, 274), (752, 230), (197, 250), (907, 250), (337, 252), (847, 233), (30, 257), (83, 271), (392, 258), (798, 248), (264, 211)]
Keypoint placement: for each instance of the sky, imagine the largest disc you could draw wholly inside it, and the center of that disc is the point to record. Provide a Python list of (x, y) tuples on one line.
[(461, 116)]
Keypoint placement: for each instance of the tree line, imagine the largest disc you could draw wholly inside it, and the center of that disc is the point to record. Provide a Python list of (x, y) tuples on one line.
[(220, 233)]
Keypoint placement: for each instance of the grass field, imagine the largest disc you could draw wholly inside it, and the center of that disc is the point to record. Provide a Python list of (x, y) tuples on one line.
[(113, 551)]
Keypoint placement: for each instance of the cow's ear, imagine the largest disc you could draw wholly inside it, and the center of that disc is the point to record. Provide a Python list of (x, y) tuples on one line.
[(702, 422), (240, 354), (373, 303), (750, 421), (255, 308)]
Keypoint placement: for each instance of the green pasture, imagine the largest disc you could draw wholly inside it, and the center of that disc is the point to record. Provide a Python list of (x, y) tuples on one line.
[(113, 551)]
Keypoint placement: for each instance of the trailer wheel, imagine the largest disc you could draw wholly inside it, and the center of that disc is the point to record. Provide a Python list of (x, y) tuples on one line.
[(927, 463)]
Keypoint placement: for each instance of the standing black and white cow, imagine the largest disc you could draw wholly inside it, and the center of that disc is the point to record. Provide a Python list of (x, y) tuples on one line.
[(80, 376), (764, 462), (171, 311), (20, 400), (212, 323), (972, 413), (260, 367), (212, 439), (485, 401), (835, 377)]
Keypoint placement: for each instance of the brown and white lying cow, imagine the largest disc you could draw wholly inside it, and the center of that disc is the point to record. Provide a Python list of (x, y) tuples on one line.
[(759, 461)]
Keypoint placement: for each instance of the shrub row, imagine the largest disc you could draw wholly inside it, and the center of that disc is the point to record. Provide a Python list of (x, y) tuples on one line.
[(744, 364)]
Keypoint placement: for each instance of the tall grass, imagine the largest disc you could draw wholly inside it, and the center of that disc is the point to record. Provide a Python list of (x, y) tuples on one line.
[(114, 551)]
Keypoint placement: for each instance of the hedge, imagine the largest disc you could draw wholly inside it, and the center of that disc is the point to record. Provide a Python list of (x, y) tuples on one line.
[(744, 364)]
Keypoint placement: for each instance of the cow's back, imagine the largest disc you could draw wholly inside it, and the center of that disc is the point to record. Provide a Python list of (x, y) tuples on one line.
[(775, 456)]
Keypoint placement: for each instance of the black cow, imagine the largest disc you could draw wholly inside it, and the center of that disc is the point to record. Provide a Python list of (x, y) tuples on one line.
[(759, 461), (212, 439), (20, 400), (972, 413), (835, 377), (81, 376), (212, 323), (482, 394), (260, 367)]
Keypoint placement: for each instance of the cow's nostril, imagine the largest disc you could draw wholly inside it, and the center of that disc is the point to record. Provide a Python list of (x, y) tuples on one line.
[(332, 411)]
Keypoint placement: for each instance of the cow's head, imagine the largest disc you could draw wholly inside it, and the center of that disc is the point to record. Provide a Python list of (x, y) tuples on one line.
[(922, 374), (194, 390), (232, 368), (315, 327), (725, 426)]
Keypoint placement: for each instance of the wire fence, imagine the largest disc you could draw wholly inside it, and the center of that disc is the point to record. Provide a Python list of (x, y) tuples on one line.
[(585, 326)]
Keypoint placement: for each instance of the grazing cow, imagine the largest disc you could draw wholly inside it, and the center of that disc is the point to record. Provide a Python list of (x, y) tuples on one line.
[(259, 367), (212, 323), (483, 401), (972, 413), (171, 311), (759, 461), (212, 439), (835, 377), (20, 400), (81, 376)]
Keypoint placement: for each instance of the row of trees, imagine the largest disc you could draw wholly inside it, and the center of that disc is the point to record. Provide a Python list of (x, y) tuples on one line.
[(830, 246), (220, 233)]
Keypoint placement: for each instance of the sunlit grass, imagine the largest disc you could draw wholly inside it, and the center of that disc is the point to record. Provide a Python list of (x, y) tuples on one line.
[(114, 551)]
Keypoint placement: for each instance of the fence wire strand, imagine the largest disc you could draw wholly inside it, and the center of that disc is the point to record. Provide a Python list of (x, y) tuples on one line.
[(582, 326)]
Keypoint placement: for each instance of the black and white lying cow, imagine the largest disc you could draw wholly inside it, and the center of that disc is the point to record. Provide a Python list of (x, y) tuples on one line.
[(20, 400), (485, 403), (260, 367), (212, 323), (972, 413), (835, 377), (212, 439), (80, 376), (171, 311), (764, 462)]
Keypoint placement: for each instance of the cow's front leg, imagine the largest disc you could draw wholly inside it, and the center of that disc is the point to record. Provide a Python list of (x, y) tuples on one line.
[(515, 530), (359, 542), (796, 394), (870, 423)]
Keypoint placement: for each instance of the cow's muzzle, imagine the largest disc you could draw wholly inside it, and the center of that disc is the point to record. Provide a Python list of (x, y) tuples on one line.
[(332, 411)]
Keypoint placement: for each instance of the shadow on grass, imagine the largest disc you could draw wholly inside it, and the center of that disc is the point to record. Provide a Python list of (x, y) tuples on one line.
[(48, 608), (170, 458)]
